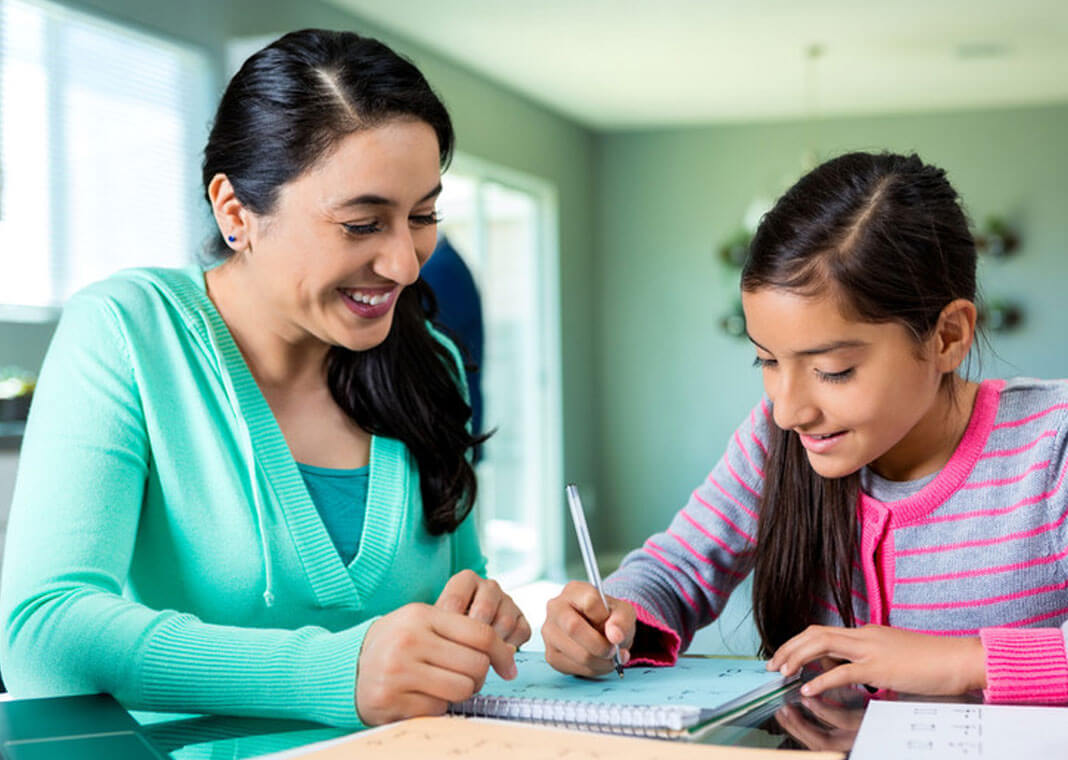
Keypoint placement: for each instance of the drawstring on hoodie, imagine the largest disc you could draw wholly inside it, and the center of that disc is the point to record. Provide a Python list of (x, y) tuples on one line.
[(250, 457)]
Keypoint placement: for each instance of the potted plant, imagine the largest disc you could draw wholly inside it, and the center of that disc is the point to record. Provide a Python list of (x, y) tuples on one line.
[(16, 391)]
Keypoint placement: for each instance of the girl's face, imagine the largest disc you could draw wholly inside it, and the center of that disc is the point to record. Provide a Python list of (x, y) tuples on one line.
[(347, 235), (856, 393)]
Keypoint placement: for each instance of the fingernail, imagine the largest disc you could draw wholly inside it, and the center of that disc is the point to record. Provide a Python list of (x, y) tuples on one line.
[(806, 689), (624, 656), (785, 670)]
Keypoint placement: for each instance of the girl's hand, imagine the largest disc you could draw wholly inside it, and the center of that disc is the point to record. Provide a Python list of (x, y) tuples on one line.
[(418, 659), (886, 658), (469, 594), (579, 633)]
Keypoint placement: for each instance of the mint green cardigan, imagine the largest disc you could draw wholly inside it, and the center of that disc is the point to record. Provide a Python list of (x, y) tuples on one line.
[(162, 545)]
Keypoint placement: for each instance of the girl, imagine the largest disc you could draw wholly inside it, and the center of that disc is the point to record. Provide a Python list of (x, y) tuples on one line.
[(241, 491), (898, 518)]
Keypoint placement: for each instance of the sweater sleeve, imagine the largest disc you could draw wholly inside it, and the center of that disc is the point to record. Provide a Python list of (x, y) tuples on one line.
[(68, 627), (1031, 664), (680, 579)]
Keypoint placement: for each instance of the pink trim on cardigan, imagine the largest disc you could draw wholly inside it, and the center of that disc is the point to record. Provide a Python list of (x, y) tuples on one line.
[(1027, 665), (672, 639), (960, 465)]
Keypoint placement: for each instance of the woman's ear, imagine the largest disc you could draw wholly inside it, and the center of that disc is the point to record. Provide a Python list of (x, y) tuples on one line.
[(954, 334), (231, 216)]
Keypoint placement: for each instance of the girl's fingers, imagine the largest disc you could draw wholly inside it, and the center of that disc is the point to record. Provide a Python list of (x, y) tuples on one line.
[(573, 652), (563, 662), (813, 643), (478, 636), (843, 675)]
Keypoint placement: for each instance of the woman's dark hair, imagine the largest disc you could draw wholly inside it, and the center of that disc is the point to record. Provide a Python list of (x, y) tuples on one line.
[(285, 110), (886, 235)]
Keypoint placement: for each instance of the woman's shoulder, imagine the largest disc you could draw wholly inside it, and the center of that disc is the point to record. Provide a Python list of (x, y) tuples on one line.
[(132, 291)]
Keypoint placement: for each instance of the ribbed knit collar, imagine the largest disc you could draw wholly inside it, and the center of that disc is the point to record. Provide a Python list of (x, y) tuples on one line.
[(956, 471), (387, 497)]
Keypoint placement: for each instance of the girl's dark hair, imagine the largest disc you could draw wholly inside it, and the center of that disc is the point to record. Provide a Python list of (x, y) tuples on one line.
[(886, 235), (285, 110)]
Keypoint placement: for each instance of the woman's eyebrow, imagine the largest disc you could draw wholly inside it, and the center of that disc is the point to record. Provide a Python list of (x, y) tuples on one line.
[(372, 199)]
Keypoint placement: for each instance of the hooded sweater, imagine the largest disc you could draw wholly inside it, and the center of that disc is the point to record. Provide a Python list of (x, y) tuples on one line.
[(978, 549), (162, 545)]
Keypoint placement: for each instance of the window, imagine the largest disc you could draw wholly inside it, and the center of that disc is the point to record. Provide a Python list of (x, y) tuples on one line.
[(100, 128), (503, 226)]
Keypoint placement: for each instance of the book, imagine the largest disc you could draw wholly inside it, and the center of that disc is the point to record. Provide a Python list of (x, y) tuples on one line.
[(681, 701)]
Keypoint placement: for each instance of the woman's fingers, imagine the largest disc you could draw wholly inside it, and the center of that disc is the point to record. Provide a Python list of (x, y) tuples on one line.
[(458, 592)]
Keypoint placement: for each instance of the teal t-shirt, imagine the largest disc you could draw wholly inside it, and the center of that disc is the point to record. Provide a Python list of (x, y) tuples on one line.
[(340, 496)]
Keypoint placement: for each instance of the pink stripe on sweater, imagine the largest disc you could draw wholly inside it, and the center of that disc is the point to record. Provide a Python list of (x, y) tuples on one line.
[(657, 552), (986, 541), (741, 482), (701, 557), (753, 435), (723, 517), (705, 532), (673, 579), (1007, 481), (984, 602), (985, 570), (1018, 449), (726, 493), (738, 443), (1024, 623), (764, 408), (1029, 418)]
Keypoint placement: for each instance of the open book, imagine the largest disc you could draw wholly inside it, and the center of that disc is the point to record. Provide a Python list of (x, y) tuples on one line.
[(682, 701)]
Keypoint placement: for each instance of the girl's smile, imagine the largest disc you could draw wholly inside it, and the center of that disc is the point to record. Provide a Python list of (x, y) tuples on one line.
[(856, 393)]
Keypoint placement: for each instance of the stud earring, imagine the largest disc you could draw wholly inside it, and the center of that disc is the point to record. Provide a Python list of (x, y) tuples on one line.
[(231, 238)]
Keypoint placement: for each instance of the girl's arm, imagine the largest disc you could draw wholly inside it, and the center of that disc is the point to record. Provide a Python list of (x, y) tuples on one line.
[(680, 580)]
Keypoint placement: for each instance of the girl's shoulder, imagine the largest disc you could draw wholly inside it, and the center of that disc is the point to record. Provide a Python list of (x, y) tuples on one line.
[(1026, 399)]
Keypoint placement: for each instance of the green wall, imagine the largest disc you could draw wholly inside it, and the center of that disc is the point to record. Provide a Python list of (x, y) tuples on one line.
[(671, 385)]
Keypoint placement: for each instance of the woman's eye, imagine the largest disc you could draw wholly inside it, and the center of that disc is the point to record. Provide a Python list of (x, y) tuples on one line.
[(764, 363), (425, 220), (835, 377), (361, 229)]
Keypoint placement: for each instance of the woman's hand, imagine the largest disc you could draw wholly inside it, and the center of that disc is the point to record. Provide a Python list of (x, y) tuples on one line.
[(580, 634), (886, 658), (418, 659), (469, 594)]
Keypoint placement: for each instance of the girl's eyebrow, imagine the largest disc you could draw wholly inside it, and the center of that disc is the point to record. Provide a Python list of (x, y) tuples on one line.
[(824, 348)]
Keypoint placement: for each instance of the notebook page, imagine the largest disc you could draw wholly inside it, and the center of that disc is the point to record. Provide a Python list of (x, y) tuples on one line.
[(703, 682)]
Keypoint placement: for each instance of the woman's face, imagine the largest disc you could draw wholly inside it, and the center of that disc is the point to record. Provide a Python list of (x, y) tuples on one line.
[(347, 235), (856, 393)]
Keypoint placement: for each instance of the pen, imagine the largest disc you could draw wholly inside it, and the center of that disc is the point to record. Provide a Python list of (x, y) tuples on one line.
[(588, 558)]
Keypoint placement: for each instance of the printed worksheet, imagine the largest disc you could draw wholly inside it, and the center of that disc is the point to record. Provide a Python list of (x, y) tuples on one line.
[(948, 731)]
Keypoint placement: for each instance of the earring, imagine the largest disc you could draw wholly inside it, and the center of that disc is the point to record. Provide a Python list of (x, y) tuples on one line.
[(231, 238)]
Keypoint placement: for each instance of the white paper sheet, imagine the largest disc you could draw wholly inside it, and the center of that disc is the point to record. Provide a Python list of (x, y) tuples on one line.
[(929, 730)]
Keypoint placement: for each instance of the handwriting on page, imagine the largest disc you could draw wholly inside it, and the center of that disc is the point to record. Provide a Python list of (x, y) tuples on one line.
[(930, 730)]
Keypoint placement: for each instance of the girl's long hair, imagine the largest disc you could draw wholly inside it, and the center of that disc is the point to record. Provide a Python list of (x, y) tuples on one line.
[(284, 110), (886, 234)]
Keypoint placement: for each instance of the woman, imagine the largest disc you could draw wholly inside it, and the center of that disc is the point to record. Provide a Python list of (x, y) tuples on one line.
[(240, 491), (898, 518)]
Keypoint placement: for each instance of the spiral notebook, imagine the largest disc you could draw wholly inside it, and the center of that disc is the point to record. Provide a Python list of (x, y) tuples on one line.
[(681, 701)]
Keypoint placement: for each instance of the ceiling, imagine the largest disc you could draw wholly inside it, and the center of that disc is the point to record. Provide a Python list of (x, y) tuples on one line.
[(619, 64)]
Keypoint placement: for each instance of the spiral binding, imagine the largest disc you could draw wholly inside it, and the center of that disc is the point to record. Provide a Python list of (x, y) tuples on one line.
[(631, 720)]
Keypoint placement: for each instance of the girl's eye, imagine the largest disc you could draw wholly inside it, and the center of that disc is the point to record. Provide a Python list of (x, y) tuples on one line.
[(835, 377), (764, 363), (425, 220), (361, 229)]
